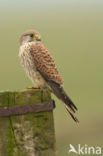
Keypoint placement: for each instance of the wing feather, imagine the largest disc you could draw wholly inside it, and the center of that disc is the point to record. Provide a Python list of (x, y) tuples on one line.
[(44, 62), (45, 65)]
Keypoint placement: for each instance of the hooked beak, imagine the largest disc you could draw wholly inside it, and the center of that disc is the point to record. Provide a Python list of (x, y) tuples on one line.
[(38, 39)]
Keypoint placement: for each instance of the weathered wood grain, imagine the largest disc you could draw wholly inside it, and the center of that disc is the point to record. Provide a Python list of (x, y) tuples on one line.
[(30, 134)]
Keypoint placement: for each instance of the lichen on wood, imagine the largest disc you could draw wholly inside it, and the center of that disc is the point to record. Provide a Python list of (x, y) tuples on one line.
[(30, 134)]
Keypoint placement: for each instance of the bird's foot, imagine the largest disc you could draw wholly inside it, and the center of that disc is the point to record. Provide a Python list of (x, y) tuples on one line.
[(36, 87)]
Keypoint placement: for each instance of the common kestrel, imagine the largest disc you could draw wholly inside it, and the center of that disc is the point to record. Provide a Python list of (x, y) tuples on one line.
[(41, 69)]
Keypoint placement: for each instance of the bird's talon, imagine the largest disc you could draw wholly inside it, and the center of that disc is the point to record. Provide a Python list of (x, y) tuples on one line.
[(33, 87)]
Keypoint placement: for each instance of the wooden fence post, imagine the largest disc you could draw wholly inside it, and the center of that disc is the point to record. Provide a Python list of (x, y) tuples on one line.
[(29, 134)]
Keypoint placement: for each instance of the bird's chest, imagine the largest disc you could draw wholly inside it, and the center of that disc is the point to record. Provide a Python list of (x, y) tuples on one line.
[(29, 66), (27, 61)]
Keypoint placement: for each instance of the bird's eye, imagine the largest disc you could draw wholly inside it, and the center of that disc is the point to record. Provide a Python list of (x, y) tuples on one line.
[(32, 35)]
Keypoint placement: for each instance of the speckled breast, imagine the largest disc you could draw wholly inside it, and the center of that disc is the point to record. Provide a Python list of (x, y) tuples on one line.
[(29, 66)]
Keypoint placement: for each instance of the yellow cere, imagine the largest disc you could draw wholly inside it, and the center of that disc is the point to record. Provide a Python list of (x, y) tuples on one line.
[(37, 36)]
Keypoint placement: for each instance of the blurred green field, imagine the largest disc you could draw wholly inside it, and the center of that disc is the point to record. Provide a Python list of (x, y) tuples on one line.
[(73, 32)]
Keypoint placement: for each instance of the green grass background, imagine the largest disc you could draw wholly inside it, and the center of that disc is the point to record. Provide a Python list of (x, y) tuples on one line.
[(73, 33)]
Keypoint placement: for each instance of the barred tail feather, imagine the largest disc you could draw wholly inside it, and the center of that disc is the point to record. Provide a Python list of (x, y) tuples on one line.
[(61, 94), (72, 114)]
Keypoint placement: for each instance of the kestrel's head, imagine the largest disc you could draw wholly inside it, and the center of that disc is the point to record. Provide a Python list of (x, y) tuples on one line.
[(29, 36)]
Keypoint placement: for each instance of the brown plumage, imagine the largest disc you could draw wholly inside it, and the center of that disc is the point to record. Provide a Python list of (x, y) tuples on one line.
[(44, 62), (41, 69)]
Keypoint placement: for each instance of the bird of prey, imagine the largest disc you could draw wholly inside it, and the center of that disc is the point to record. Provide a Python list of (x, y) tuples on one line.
[(41, 69)]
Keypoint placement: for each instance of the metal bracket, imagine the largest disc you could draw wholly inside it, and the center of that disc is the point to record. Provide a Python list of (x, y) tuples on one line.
[(25, 109)]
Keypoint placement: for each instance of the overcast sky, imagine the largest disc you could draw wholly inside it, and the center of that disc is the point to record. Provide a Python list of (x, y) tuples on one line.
[(50, 2)]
